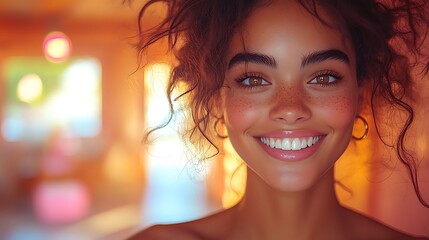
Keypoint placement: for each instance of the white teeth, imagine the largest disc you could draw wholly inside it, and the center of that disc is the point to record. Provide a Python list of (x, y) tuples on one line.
[(272, 142), (296, 145), (290, 143), (310, 141), (286, 144), (278, 143), (303, 143)]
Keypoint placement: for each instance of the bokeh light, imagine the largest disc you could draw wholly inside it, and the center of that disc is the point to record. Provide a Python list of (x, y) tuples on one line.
[(29, 88), (61, 201), (57, 47), (63, 97)]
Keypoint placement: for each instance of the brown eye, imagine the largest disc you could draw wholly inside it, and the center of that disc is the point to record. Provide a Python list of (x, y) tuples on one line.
[(253, 81), (325, 79)]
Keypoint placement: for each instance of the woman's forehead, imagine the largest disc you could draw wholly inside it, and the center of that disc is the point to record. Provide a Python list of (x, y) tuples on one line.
[(287, 24)]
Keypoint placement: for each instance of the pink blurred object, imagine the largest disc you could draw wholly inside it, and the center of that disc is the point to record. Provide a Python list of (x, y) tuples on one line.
[(56, 164), (61, 202)]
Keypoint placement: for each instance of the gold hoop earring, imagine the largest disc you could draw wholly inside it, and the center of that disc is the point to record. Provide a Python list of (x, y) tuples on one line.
[(366, 125), (216, 129)]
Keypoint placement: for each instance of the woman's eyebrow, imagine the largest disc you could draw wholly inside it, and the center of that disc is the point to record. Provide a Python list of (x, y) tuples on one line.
[(320, 56), (311, 58), (252, 57)]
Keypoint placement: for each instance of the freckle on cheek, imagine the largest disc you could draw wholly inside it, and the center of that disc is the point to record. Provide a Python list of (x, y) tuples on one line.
[(236, 106), (344, 104), (341, 108)]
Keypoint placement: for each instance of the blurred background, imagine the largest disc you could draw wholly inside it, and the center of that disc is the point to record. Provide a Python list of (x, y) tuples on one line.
[(73, 108), (72, 115)]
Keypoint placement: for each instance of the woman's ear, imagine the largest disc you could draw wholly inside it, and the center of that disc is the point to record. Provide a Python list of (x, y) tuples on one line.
[(360, 97), (219, 104), (365, 88)]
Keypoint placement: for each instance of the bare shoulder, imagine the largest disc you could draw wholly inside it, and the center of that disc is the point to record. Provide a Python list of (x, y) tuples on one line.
[(164, 232), (214, 226), (368, 228)]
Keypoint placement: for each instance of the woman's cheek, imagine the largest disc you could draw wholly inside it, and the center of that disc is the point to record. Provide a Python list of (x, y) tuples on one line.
[(339, 111), (240, 111)]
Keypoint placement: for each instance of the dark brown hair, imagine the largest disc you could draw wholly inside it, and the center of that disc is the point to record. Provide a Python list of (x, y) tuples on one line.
[(387, 37)]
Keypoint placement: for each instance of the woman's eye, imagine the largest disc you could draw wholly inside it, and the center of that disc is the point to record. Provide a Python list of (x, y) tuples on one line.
[(253, 81), (325, 79)]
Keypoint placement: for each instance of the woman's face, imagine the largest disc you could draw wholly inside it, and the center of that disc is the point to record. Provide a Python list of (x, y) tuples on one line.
[(290, 95)]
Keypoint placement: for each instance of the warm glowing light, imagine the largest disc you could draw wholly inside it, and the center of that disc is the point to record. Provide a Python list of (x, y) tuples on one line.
[(68, 102), (157, 73), (81, 78), (171, 195), (119, 161), (57, 46), (235, 177), (29, 88), (156, 77), (112, 221)]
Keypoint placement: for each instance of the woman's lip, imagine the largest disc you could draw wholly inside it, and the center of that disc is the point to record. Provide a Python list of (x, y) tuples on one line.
[(291, 155), (291, 134)]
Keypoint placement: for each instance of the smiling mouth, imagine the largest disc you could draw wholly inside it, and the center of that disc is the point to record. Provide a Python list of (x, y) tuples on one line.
[(290, 143)]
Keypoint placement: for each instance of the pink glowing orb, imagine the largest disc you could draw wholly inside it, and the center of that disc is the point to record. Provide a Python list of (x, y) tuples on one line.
[(57, 47), (61, 202)]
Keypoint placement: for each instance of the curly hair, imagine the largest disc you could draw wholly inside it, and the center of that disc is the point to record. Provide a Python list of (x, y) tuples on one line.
[(387, 37)]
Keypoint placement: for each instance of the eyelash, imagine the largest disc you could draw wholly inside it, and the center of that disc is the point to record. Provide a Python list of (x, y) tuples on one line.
[(249, 76), (337, 77)]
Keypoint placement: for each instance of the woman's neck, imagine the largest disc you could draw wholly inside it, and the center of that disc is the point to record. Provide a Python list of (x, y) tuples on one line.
[(269, 213)]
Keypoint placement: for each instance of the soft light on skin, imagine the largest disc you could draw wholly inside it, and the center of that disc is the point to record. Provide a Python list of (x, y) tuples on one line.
[(56, 47), (30, 88), (285, 101)]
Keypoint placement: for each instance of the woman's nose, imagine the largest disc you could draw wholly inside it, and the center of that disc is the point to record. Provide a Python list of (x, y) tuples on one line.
[(290, 106)]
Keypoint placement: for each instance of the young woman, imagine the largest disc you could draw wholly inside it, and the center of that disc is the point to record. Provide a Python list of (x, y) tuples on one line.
[(288, 78)]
